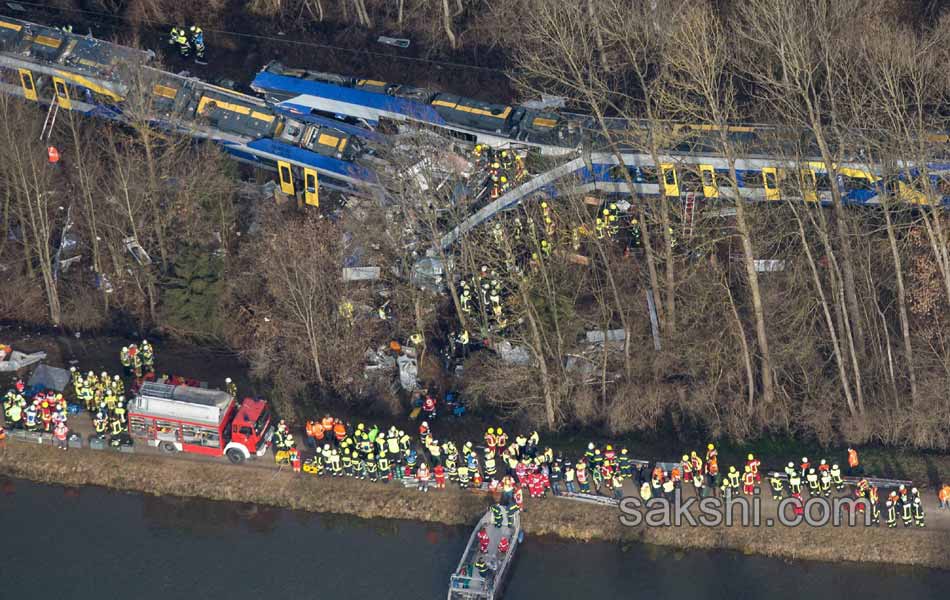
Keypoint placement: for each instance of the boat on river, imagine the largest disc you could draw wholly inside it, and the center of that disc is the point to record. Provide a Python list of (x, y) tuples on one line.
[(467, 583)]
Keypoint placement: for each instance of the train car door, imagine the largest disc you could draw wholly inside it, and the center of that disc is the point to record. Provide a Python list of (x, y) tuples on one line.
[(770, 181), (809, 185), (26, 82), (670, 184), (708, 174), (62, 93), (311, 187), (286, 177)]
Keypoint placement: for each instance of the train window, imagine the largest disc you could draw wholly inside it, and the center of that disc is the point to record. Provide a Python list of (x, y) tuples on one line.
[(752, 179), (943, 186), (856, 183), (723, 179), (647, 175), (708, 179), (822, 182), (670, 176), (770, 180), (615, 172)]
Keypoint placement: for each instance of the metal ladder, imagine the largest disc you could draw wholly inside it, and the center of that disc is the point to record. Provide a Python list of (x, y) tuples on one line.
[(50, 120), (689, 207)]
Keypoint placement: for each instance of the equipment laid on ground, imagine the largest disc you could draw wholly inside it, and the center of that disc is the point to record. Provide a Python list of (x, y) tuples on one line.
[(13, 360), (188, 419)]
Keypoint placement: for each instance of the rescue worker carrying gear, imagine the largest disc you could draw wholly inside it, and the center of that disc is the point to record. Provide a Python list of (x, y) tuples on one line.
[(777, 486), (177, 38), (853, 462), (198, 42)]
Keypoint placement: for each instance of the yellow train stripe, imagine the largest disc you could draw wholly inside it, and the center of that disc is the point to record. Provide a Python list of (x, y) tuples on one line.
[(164, 91), (542, 122), (48, 41), (12, 26), (328, 140), (234, 108), (485, 113), (370, 82), (86, 83), (443, 103)]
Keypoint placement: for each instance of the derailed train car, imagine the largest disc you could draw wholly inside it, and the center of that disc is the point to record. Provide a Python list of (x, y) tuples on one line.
[(98, 78)]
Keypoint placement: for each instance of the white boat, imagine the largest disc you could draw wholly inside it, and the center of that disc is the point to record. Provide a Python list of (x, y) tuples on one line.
[(467, 583)]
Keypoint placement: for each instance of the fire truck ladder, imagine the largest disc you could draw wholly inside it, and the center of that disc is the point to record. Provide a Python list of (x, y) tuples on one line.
[(50, 120)]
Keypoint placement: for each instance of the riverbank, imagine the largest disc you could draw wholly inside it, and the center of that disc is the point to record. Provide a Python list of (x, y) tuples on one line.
[(261, 483)]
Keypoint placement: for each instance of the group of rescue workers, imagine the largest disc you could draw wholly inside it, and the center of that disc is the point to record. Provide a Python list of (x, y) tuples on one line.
[(514, 466), (45, 412), (502, 465), (188, 41), (504, 169)]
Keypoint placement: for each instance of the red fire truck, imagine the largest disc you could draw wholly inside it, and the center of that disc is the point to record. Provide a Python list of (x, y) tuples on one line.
[(181, 418)]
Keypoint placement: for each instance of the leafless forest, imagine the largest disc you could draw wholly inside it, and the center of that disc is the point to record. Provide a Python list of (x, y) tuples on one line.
[(850, 339)]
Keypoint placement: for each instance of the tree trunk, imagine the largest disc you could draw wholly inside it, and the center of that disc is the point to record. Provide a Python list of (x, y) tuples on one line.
[(154, 204), (826, 311), (549, 402), (748, 261), (746, 356), (447, 23), (902, 306)]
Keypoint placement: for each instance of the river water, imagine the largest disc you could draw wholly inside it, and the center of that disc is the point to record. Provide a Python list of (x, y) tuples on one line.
[(92, 543)]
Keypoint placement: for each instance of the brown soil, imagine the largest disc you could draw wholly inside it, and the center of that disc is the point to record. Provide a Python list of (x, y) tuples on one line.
[(260, 483)]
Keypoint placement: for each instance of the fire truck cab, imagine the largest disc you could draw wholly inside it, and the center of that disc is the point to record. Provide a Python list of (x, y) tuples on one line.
[(181, 418)]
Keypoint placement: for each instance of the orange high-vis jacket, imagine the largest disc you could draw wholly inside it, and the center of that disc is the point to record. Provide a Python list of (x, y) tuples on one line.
[(339, 430), (852, 458), (317, 431)]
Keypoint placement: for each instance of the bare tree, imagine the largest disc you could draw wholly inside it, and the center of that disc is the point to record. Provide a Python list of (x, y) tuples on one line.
[(702, 90)]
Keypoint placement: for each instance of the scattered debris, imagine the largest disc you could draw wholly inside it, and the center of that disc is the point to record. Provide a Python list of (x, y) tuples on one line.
[(397, 42), (361, 273), (137, 251), (612, 335)]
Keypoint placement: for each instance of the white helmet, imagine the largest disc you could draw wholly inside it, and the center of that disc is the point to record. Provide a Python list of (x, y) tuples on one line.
[(72, 369), (804, 459), (425, 423), (791, 464), (125, 348), (823, 461), (913, 490), (227, 380), (116, 377), (835, 466)]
